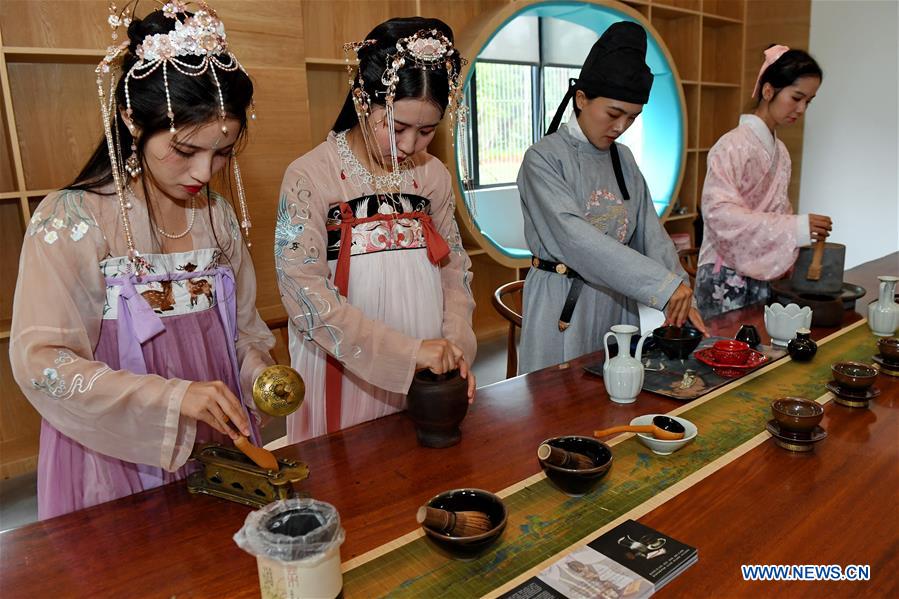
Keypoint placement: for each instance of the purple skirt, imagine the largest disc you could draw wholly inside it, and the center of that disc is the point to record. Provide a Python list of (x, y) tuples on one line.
[(193, 347)]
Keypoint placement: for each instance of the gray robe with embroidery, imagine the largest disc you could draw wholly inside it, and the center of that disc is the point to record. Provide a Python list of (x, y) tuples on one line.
[(574, 213)]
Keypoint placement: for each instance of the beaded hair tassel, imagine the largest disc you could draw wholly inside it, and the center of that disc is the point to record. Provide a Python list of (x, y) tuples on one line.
[(199, 34), (426, 49)]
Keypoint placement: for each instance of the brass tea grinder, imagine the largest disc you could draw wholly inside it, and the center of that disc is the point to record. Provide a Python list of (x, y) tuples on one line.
[(227, 473)]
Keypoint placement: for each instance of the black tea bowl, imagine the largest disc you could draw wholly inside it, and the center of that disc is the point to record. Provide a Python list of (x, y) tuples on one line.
[(578, 482), (677, 342), (468, 500)]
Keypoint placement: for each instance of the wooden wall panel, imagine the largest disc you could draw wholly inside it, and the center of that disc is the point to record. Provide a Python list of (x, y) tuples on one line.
[(327, 90), (460, 15), (10, 245), (55, 23), (783, 22), (57, 118), (328, 24), (19, 424), (264, 33), (7, 173), (278, 136)]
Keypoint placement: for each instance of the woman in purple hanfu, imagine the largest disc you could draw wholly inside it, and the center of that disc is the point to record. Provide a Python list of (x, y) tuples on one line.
[(135, 332)]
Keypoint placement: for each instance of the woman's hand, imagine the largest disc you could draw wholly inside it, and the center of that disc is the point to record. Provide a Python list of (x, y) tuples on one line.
[(466, 373), (215, 404), (819, 226), (696, 319), (438, 355), (679, 306)]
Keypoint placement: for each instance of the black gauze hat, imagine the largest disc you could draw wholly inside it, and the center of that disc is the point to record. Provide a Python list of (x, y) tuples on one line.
[(615, 68)]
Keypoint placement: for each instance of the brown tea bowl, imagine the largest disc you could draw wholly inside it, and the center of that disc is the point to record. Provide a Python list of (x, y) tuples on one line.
[(577, 482), (889, 349), (854, 375), (797, 414), (464, 500), (731, 352), (677, 342)]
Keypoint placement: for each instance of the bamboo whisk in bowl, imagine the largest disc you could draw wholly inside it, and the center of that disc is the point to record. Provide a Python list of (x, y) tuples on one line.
[(563, 458), (457, 524)]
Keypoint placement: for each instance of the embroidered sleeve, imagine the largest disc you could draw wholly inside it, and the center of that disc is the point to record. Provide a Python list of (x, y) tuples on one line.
[(455, 274), (369, 348), (57, 313)]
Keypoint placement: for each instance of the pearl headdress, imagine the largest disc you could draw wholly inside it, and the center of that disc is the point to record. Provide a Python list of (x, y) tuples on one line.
[(427, 49), (200, 34)]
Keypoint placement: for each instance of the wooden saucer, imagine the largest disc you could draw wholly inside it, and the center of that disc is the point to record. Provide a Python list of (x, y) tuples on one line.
[(793, 441), (851, 398), (885, 366)]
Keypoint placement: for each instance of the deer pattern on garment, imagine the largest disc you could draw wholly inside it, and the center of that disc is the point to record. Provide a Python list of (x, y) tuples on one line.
[(167, 297)]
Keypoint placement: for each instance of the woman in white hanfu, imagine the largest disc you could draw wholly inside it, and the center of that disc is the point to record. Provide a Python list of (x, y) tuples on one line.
[(370, 264)]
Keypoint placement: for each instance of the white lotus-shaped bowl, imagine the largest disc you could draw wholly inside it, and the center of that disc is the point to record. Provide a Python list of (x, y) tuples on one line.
[(782, 322)]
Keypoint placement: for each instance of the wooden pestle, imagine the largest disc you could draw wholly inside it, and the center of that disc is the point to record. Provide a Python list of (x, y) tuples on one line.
[(457, 524), (814, 269), (262, 457), (564, 459)]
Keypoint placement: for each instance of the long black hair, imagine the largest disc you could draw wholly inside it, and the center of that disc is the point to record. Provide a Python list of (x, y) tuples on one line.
[(414, 81), (194, 100), (786, 70)]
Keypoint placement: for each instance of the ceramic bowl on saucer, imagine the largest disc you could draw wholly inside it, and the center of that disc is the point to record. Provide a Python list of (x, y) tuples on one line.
[(792, 441), (886, 367), (852, 398), (730, 371), (676, 342), (463, 500), (660, 446), (730, 352), (796, 414), (578, 482), (889, 350), (782, 322), (854, 376)]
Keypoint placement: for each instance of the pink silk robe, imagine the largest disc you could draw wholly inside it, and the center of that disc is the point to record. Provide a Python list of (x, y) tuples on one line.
[(749, 222), (60, 307)]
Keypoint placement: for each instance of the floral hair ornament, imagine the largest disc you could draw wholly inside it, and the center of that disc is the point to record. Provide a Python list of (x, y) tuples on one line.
[(199, 34), (427, 49), (772, 55)]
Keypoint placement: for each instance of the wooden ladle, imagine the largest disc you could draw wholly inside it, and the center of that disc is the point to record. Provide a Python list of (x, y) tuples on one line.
[(260, 456), (662, 427), (814, 269)]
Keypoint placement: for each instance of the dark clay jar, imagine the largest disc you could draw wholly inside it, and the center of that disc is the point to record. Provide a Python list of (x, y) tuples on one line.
[(437, 404), (802, 348)]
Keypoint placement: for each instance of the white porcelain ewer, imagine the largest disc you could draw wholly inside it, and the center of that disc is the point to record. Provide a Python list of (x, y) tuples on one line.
[(623, 374)]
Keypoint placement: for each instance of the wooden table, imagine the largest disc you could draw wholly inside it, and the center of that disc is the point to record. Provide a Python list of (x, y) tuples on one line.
[(835, 506)]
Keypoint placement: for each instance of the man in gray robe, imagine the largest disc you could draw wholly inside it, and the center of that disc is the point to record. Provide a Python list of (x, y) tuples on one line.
[(589, 220)]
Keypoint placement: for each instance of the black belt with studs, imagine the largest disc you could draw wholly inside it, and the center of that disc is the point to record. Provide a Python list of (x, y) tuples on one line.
[(577, 283)]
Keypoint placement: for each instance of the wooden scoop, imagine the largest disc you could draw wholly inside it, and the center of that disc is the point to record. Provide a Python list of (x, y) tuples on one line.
[(457, 524), (662, 427), (261, 457), (814, 269), (564, 459)]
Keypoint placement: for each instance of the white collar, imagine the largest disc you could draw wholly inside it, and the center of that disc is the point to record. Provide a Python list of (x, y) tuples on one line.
[(574, 128), (760, 129)]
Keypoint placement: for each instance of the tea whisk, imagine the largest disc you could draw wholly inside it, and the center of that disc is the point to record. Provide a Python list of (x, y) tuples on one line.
[(563, 458), (456, 524)]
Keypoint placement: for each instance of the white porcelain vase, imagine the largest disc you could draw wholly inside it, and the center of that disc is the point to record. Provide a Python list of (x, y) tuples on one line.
[(782, 322), (623, 374), (883, 315)]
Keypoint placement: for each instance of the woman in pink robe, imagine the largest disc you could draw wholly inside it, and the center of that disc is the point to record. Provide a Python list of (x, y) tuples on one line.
[(751, 235)]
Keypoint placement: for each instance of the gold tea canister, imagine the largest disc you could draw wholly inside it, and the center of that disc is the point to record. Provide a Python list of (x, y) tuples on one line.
[(279, 390)]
